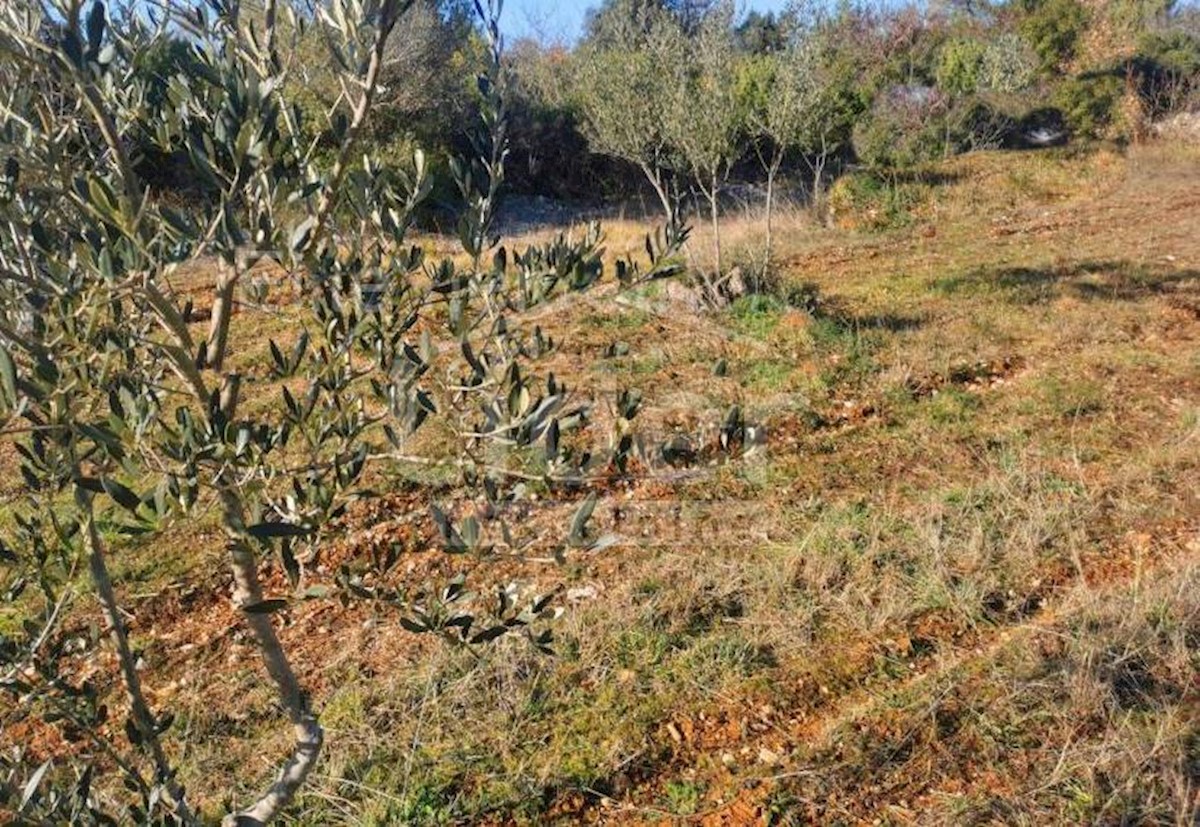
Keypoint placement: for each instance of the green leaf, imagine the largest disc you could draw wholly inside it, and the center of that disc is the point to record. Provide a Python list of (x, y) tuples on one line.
[(263, 607), (471, 532), (122, 495), (8, 377), (413, 626), (303, 234), (298, 352), (580, 520), (290, 401), (95, 28), (133, 530), (103, 198), (102, 436), (451, 539), (290, 564), (281, 366), (264, 531), (488, 635), (552, 436), (243, 440), (40, 237), (30, 788), (472, 359), (73, 48)]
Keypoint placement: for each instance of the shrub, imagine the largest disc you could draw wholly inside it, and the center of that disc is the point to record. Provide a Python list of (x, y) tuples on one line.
[(1166, 70), (1089, 103), (905, 127), (1009, 64), (874, 201), (960, 66), (975, 76), (1053, 28), (909, 134), (975, 124)]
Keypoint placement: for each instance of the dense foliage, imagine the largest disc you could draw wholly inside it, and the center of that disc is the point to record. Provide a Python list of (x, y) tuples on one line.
[(912, 84), (609, 115)]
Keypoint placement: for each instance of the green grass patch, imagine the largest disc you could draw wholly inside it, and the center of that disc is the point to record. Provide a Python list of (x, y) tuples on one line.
[(768, 375), (1070, 398), (683, 797), (953, 406), (626, 319), (756, 315)]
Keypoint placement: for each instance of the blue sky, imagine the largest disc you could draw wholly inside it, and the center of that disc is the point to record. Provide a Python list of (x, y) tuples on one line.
[(562, 20)]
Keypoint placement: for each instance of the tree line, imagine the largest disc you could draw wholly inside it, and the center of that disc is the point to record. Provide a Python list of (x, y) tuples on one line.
[(677, 98)]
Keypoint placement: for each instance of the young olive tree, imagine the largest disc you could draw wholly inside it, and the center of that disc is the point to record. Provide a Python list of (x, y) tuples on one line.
[(130, 414), (782, 96), (625, 92), (704, 119)]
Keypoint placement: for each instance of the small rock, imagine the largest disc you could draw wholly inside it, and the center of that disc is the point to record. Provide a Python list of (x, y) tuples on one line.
[(581, 593), (766, 756), (680, 294)]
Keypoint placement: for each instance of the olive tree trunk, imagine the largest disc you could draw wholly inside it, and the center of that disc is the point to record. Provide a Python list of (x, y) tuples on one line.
[(143, 718)]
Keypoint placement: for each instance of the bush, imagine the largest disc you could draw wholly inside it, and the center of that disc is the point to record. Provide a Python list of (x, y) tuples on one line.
[(1009, 65), (549, 152), (1053, 28), (1166, 70), (960, 66), (905, 127), (1089, 103), (870, 201), (976, 124), (914, 126)]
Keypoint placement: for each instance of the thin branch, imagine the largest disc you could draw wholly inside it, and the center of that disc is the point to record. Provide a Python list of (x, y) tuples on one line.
[(389, 13)]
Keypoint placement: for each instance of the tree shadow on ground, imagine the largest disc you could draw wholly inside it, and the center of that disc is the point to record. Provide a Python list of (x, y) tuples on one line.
[(1094, 280)]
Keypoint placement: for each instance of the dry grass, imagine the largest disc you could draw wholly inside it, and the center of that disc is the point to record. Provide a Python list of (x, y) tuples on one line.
[(957, 584)]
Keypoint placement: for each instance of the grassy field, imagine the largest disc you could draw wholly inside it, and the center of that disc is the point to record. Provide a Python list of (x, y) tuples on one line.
[(958, 582)]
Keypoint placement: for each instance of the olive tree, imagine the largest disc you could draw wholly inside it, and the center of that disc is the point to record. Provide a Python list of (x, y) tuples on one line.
[(625, 90), (131, 411), (783, 96), (704, 118)]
